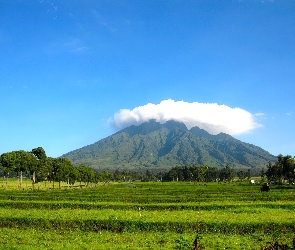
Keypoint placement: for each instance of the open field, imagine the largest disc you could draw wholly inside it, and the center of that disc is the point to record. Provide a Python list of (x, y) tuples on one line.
[(150, 216)]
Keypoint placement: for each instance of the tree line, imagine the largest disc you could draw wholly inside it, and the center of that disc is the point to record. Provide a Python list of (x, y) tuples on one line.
[(281, 171), (200, 174), (38, 167)]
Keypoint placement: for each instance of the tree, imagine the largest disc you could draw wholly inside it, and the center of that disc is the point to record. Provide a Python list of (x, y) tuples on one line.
[(118, 176), (187, 174), (271, 172), (212, 174), (38, 171), (73, 176), (288, 166), (263, 175), (282, 170), (7, 162), (39, 153), (227, 173), (241, 175), (148, 176), (105, 176), (50, 167), (62, 170), (203, 173), (18, 161), (160, 175), (86, 174), (24, 161), (248, 174), (173, 175)]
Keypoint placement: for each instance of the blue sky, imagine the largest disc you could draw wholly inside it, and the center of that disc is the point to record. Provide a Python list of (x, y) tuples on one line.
[(68, 69)]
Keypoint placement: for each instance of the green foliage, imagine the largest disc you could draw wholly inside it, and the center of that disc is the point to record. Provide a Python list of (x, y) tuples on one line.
[(43, 168), (199, 174), (282, 170), (183, 243), (39, 153), (85, 174)]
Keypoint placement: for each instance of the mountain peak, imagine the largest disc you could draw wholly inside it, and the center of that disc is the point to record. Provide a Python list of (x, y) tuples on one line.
[(151, 126), (163, 146), (174, 124), (200, 132), (142, 129)]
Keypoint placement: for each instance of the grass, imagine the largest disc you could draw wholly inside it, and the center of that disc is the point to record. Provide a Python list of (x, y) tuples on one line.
[(150, 216)]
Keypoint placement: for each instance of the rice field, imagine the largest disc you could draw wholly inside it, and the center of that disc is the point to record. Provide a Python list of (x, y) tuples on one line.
[(148, 215)]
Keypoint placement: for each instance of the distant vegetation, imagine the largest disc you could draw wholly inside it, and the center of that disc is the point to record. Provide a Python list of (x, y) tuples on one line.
[(36, 166), (282, 171)]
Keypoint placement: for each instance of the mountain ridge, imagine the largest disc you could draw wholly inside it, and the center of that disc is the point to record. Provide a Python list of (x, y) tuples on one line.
[(162, 146)]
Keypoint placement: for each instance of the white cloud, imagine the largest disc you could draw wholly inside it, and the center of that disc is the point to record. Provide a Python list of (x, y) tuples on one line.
[(212, 117)]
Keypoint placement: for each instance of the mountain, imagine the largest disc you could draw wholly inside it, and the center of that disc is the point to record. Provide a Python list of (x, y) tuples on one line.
[(162, 146)]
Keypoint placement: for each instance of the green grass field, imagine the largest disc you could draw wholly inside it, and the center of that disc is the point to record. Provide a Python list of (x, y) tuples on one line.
[(150, 216)]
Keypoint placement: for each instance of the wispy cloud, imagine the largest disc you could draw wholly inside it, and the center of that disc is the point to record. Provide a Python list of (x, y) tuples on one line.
[(289, 113), (209, 116), (69, 45), (102, 21), (259, 114), (74, 45)]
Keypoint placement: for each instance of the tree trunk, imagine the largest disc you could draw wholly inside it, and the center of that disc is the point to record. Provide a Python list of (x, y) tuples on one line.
[(26, 180), (21, 179), (18, 180), (7, 180), (33, 180)]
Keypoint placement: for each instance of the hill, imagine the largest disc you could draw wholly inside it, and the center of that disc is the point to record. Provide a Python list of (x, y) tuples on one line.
[(162, 146)]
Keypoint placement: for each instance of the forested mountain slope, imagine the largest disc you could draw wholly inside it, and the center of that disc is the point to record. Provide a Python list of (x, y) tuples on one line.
[(162, 146)]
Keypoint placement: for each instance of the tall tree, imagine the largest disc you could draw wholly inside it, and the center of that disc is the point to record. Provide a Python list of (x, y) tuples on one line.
[(288, 166), (39, 153), (282, 170), (38, 171), (7, 161), (86, 174), (104, 175), (227, 173), (24, 161), (49, 175), (203, 173), (63, 167), (271, 173)]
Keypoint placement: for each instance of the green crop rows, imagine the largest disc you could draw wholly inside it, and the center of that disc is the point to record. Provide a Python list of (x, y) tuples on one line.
[(150, 216)]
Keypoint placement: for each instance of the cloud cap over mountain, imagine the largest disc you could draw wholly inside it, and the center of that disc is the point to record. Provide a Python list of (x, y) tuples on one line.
[(212, 117)]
